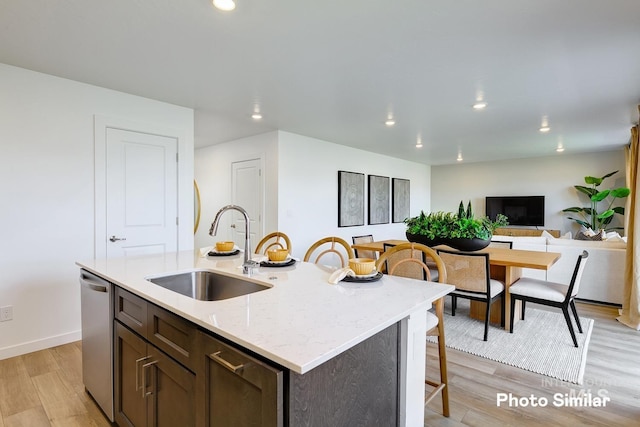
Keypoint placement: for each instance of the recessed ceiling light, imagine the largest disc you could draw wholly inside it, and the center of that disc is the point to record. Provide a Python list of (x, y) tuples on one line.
[(390, 122), (419, 142), (225, 5), (459, 158), (480, 105), (256, 115), (560, 149), (544, 125)]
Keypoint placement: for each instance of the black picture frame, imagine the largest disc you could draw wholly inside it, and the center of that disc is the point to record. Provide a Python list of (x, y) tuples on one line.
[(378, 199), (401, 190), (350, 199)]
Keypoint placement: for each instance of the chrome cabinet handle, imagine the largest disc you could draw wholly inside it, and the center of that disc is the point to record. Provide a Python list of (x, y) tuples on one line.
[(115, 239), (144, 379), (233, 368), (138, 370)]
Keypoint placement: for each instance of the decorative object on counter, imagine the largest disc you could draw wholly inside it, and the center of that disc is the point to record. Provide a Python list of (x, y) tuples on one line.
[(278, 255), (589, 216), (378, 199), (284, 263), (461, 231), (350, 199), (348, 275), (215, 252), (362, 266), (224, 246), (400, 188)]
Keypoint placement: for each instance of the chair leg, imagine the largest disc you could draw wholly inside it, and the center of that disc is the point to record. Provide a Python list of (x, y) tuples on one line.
[(575, 314), (523, 309), (511, 314), (454, 301), (442, 387), (486, 320), (502, 315), (565, 311), (442, 353)]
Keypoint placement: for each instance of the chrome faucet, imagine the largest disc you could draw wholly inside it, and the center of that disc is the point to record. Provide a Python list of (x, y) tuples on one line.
[(248, 262)]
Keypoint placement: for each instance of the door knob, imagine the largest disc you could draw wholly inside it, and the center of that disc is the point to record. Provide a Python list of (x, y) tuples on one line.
[(233, 226), (115, 239)]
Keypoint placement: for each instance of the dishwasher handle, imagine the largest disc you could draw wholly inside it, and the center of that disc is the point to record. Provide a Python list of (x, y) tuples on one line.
[(93, 282)]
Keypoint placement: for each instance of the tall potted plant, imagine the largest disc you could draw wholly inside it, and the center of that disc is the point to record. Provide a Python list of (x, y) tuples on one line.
[(460, 231), (590, 217)]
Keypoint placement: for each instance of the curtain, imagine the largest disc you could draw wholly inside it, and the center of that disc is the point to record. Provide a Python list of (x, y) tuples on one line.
[(630, 312)]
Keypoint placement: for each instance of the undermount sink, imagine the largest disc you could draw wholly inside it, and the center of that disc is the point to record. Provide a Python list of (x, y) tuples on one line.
[(206, 285)]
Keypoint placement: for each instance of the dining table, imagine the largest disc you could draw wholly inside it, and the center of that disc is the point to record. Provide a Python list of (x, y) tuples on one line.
[(505, 265)]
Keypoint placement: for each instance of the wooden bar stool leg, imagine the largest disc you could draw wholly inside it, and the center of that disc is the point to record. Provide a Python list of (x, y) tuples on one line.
[(442, 356)]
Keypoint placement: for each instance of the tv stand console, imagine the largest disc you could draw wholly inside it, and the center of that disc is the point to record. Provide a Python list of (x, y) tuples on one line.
[(506, 231)]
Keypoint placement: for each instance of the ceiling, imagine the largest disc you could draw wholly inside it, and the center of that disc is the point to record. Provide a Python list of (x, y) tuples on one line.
[(335, 69)]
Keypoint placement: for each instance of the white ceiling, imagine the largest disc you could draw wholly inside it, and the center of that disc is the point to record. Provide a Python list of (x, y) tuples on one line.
[(334, 69)]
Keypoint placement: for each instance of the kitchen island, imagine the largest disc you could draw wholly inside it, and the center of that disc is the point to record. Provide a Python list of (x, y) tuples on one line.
[(301, 323)]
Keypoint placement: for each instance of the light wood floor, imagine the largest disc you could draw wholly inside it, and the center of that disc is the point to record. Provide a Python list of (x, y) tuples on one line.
[(45, 388), (613, 364)]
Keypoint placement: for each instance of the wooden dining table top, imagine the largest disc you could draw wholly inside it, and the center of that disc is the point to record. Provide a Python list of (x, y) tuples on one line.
[(497, 256)]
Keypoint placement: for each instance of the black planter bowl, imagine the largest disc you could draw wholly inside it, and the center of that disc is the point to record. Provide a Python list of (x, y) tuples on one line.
[(466, 245)]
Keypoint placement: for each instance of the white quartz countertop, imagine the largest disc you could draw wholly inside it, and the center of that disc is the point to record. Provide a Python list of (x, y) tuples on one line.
[(300, 322)]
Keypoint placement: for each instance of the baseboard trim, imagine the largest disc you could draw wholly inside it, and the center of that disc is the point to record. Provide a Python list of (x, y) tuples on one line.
[(31, 346), (604, 303)]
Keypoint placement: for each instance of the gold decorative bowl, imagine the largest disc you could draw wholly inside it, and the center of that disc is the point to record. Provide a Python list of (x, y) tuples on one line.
[(224, 246), (362, 266), (277, 254)]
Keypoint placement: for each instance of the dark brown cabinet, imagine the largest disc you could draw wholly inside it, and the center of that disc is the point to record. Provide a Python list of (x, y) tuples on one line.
[(236, 389), (151, 388)]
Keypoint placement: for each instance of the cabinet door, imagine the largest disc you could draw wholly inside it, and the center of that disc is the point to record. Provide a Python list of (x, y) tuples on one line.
[(235, 389), (130, 354), (170, 392)]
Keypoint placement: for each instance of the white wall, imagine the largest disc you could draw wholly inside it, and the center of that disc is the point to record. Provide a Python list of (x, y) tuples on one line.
[(213, 174), (308, 189), (552, 177), (301, 185), (47, 190)]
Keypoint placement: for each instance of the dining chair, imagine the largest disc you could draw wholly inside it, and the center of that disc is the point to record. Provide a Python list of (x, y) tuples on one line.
[(334, 245), (275, 240), (413, 270), (408, 260), (359, 253), (469, 273), (500, 244), (551, 294)]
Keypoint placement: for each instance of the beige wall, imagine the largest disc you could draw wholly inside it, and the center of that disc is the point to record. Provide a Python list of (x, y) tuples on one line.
[(552, 177)]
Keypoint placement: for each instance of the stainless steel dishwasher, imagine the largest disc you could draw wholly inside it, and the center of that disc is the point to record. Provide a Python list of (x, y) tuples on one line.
[(97, 339)]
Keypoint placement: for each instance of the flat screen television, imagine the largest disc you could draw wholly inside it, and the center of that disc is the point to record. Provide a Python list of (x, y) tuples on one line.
[(520, 210)]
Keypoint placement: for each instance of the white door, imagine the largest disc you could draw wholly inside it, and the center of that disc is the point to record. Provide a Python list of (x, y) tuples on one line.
[(247, 187), (141, 193)]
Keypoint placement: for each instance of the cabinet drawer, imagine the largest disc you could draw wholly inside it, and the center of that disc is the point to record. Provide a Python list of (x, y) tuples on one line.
[(172, 334), (236, 389), (131, 310)]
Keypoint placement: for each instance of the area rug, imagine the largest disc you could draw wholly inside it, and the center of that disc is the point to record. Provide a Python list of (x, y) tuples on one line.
[(540, 344)]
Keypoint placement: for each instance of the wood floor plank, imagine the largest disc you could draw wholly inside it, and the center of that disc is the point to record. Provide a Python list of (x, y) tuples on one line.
[(34, 417), (40, 362)]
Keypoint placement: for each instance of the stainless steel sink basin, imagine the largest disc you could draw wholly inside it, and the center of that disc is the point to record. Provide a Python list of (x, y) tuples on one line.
[(206, 285)]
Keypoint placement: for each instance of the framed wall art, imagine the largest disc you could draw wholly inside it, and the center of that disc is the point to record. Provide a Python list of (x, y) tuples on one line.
[(350, 199), (401, 196), (378, 199)]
